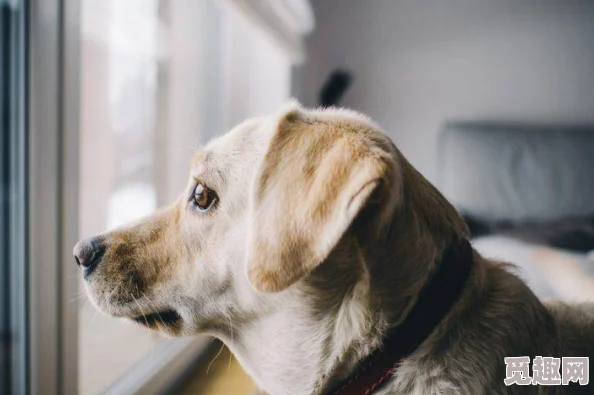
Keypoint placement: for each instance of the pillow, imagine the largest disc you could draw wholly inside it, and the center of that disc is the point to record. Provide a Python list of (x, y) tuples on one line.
[(532, 182), (505, 172)]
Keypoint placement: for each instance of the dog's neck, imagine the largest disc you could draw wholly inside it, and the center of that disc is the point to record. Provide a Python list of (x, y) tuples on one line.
[(352, 301), (297, 350)]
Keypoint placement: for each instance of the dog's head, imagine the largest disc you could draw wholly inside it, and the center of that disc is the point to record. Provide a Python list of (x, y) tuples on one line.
[(264, 207)]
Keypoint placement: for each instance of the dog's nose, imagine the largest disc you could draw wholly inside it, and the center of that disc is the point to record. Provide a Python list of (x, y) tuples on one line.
[(88, 253)]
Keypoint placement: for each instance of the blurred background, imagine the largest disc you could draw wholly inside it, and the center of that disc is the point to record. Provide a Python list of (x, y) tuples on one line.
[(104, 101)]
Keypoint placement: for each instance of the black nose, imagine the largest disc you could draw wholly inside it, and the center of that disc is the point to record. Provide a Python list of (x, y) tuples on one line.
[(88, 253)]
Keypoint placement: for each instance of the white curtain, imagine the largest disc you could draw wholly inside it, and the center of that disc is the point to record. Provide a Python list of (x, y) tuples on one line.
[(285, 21)]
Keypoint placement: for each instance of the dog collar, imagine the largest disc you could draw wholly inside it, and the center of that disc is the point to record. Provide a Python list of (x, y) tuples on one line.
[(436, 299)]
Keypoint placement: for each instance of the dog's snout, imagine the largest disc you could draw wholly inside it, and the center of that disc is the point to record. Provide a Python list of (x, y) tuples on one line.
[(88, 253)]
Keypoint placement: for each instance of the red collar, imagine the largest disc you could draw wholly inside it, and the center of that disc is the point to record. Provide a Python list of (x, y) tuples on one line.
[(434, 302)]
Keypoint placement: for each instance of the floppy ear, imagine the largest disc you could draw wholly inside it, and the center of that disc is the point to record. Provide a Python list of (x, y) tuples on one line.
[(313, 181)]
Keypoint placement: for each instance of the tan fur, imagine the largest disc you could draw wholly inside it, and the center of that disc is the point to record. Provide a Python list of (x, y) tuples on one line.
[(323, 237), (335, 169)]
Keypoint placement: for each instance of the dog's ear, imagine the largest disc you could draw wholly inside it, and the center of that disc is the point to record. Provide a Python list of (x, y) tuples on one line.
[(313, 181)]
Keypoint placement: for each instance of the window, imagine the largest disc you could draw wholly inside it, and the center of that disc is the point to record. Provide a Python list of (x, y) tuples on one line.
[(13, 154), (157, 79), (142, 82), (103, 104), (119, 65)]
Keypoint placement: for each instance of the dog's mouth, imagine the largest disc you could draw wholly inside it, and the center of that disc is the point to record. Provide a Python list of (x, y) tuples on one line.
[(166, 318)]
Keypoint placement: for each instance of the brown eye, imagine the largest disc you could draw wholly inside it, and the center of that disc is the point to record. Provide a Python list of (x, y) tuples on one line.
[(203, 197)]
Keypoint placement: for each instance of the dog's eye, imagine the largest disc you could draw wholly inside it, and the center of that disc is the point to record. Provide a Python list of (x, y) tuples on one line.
[(203, 197)]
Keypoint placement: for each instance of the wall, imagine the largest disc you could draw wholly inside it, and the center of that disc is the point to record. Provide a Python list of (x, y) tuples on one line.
[(256, 70), (418, 63)]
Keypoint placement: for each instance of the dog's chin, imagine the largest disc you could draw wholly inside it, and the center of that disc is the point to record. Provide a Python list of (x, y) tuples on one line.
[(167, 321)]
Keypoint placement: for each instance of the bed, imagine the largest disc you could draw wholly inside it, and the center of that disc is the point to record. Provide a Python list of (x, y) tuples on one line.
[(527, 192)]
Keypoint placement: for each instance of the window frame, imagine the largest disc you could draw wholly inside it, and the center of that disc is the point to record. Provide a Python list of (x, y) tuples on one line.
[(52, 223), (13, 288), (53, 92), (52, 87)]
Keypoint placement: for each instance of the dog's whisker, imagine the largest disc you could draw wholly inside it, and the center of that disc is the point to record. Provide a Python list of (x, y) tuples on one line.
[(93, 319), (148, 334), (151, 305), (77, 298), (214, 359), (232, 339), (160, 318), (87, 303), (231, 328), (141, 310), (109, 295)]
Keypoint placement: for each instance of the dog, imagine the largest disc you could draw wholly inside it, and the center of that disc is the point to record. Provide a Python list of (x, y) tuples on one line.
[(303, 240)]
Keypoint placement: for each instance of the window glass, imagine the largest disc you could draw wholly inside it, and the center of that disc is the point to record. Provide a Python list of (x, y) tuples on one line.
[(158, 79), (119, 89)]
